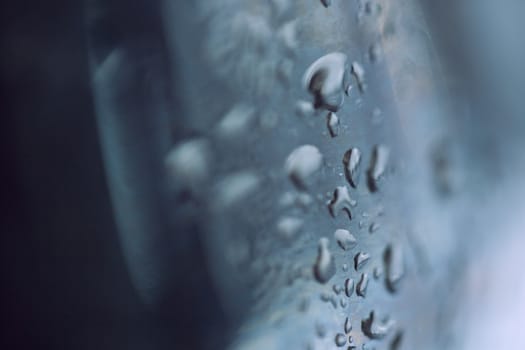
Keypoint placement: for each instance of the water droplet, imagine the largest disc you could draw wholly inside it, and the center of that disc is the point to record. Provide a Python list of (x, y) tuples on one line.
[(187, 163), (289, 226), (302, 163), (340, 340), (343, 303), (324, 80), (351, 162), (341, 201), (236, 121), (375, 52), (304, 109), (235, 187), (380, 155), (345, 267), (326, 3), (324, 267), (360, 259), (348, 325), (320, 329), (373, 227), (395, 344), (394, 266), (362, 285), (288, 35), (345, 239), (337, 289), (359, 73), (378, 272), (326, 297), (377, 116), (374, 329), (332, 122), (349, 287)]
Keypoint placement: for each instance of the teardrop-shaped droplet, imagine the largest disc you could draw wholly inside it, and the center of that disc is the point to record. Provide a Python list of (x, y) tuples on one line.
[(359, 73), (341, 201), (348, 325), (374, 329), (324, 267), (362, 285), (360, 259), (394, 266), (349, 287), (352, 162), (332, 122), (380, 155)]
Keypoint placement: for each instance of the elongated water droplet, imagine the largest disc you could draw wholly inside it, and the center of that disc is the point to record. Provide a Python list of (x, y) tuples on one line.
[(343, 303), (352, 162), (289, 226), (324, 267), (332, 122), (340, 340), (324, 80), (374, 329), (395, 344), (345, 239), (362, 285), (235, 187), (236, 121), (373, 227), (394, 266), (349, 287), (359, 73), (348, 325), (360, 259), (302, 163), (341, 201), (380, 155)]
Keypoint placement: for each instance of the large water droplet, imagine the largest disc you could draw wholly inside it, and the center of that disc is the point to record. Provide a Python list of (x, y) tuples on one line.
[(349, 287), (340, 340), (324, 267), (380, 155), (345, 239), (332, 122), (341, 201), (362, 285), (302, 163), (187, 163), (324, 80), (374, 329), (351, 162), (394, 266), (360, 259), (236, 121)]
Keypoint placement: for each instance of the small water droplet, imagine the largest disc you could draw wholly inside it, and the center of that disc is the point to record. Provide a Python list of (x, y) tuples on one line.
[(337, 289), (236, 121), (360, 259), (187, 163), (326, 3), (343, 303), (373, 329), (341, 201), (289, 226), (394, 266), (324, 267), (348, 326), (375, 52), (304, 109), (351, 162), (380, 155), (326, 297), (345, 239), (302, 163), (288, 35), (320, 329), (359, 73), (340, 340), (378, 272), (349, 287), (235, 187), (373, 227), (332, 122), (362, 285), (324, 80), (345, 267)]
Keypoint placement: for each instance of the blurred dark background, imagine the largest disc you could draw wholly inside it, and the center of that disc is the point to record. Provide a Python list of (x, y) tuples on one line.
[(64, 281)]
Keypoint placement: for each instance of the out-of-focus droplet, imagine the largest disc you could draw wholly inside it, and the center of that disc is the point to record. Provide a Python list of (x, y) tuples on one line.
[(324, 267), (395, 344), (340, 340), (304, 108), (324, 80), (236, 121), (378, 272), (187, 163), (375, 52), (329, 298), (348, 325), (374, 329), (337, 289), (359, 73), (362, 285), (341, 201), (289, 226), (320, 329), (394, 266), (343, 303), (332, 122), (345, 267), (373, 227), (351, 162), (302, 163), (345, 239), (360, 259), (235, 187), (326, 3), (288, 35), (349, 287), (378, 163)]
